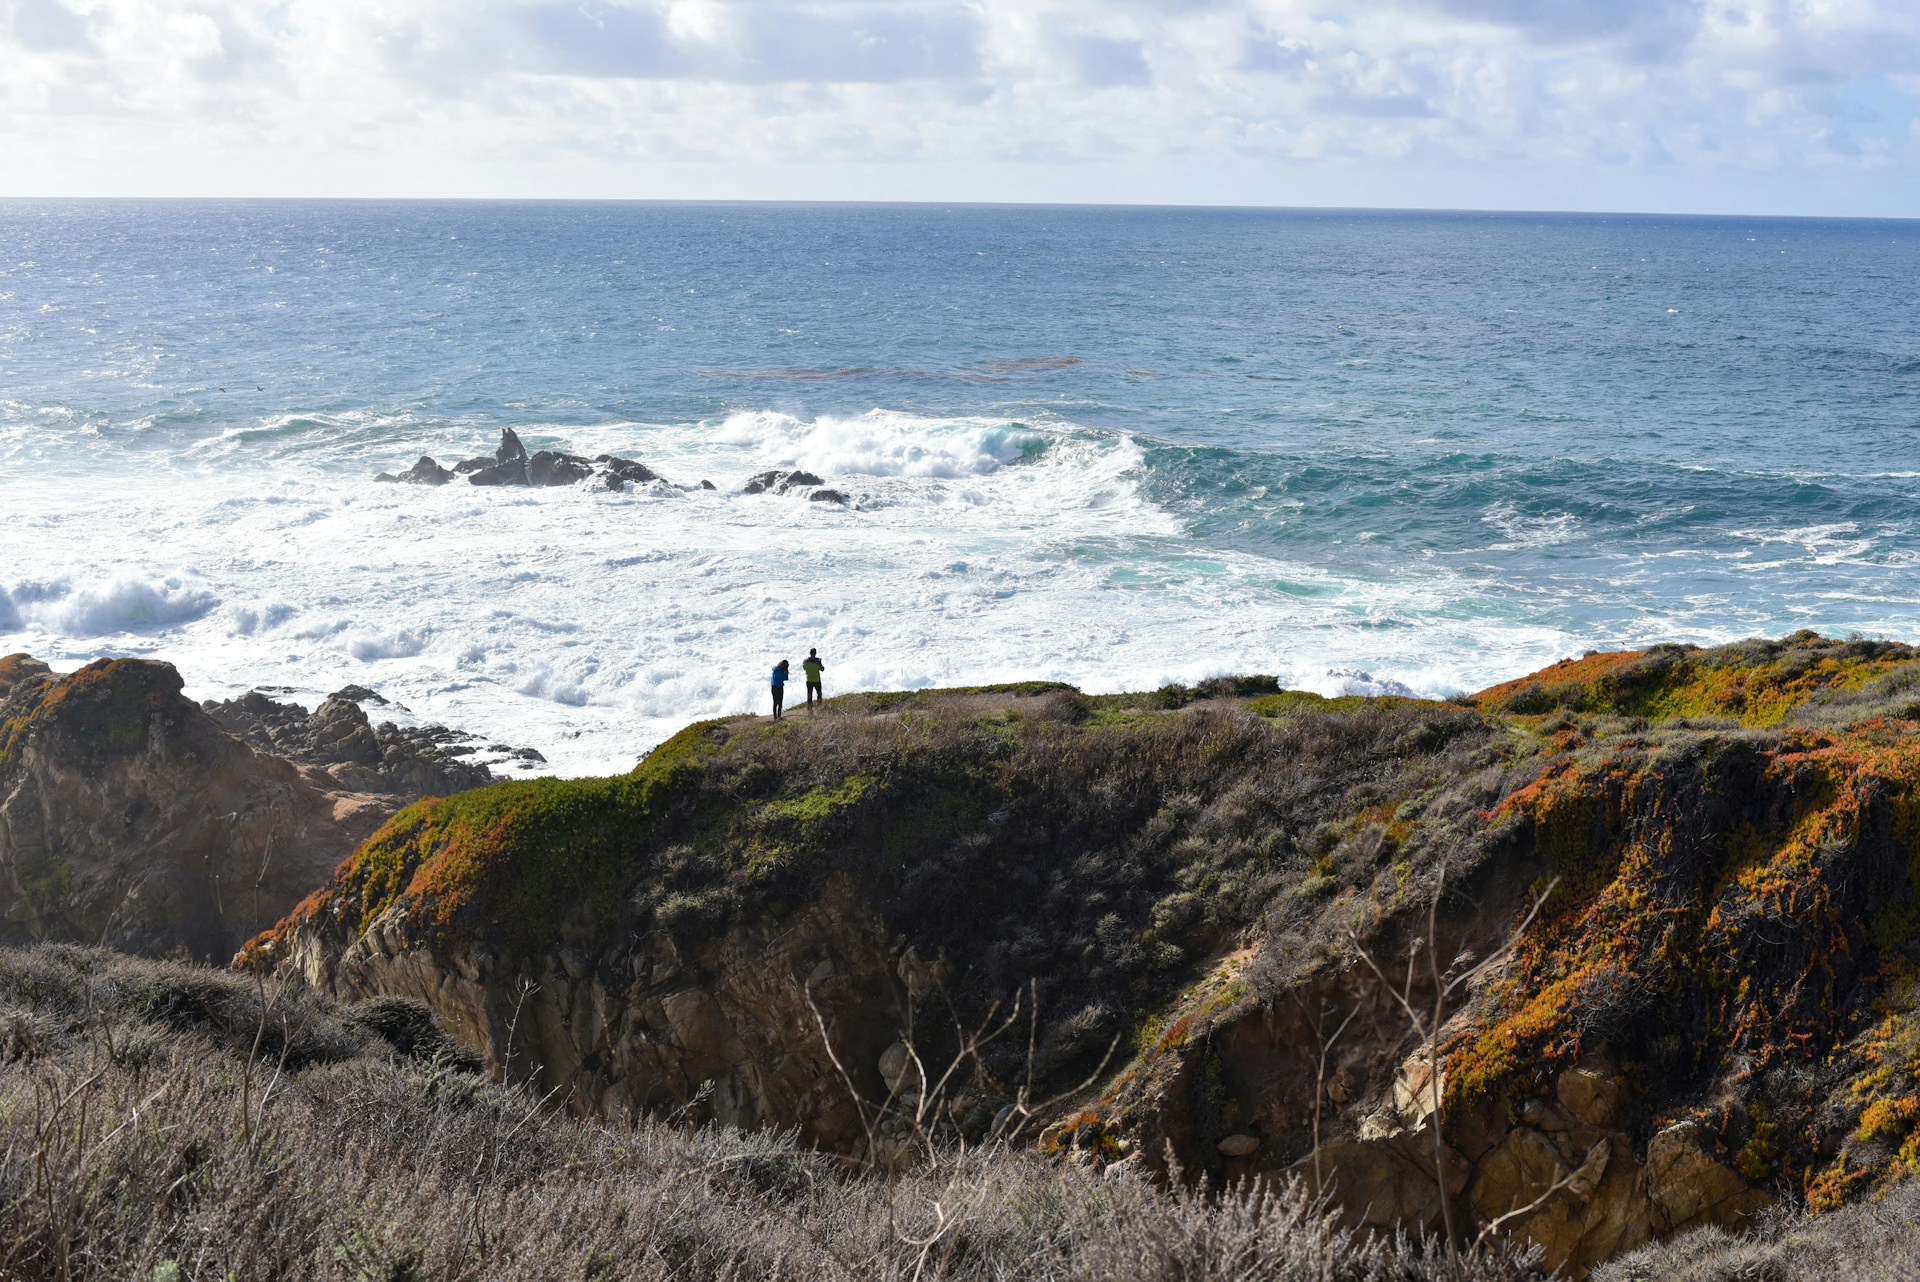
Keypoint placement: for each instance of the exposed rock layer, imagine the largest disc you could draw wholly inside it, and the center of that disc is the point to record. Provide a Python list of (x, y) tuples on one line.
[(129, 817)]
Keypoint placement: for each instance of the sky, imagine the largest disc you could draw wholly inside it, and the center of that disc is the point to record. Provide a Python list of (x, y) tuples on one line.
[(1700, 106)]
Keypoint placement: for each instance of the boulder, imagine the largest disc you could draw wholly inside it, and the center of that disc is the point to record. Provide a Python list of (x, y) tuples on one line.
[(1238, 1145), (551, 468), (778, 482), (513, 472), (620, 471), (897, 1069), (339, 730), (508, 467), (828, 496), (1590, 1094), (1688, 1185), (425, 472)]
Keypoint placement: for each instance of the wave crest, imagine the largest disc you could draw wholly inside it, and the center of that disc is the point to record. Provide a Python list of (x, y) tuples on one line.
[(885, 443)]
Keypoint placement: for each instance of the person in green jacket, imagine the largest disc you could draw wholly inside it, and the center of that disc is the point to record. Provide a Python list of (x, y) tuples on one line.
[(813, 668)]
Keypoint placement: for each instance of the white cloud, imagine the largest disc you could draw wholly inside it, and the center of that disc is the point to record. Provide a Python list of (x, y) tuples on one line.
[(1789, 105)]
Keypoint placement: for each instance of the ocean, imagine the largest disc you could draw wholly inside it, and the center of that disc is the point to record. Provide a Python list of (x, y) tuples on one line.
[(1363, 451)]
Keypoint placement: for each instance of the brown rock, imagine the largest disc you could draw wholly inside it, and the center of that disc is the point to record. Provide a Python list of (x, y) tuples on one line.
[(128, 817), (1689, 1186), (1590, 1095), (730, 1023), (1239, 1145)]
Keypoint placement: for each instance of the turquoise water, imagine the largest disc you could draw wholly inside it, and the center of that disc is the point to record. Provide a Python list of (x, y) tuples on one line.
[(1117, 446)]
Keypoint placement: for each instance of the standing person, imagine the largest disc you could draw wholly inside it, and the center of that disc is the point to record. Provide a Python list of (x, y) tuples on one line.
[(779, 687), (812, 666)]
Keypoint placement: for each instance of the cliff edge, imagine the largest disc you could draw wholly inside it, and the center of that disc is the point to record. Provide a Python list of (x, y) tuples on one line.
[(794, 925)]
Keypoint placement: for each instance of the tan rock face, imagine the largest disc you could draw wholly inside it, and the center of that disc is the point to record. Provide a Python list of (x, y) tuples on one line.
[(1688, 1186), (646, 1027), (127, 817), (1560, 1170), (1590, 1094)]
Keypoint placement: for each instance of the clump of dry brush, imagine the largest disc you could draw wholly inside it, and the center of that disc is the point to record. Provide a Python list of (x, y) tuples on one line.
[(160, 1123)]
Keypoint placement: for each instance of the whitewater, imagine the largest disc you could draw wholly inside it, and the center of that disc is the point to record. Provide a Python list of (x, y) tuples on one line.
[(1384, 453)]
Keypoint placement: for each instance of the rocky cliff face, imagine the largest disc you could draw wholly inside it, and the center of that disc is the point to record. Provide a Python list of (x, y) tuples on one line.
[(1241, 890), (128, 817), (723, 1031), (132, 817)]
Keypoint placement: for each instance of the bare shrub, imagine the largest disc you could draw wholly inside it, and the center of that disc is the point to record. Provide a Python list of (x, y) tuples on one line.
[(369, 1163)]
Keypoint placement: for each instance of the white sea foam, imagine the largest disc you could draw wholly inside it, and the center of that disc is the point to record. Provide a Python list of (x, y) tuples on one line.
[(591, 623), (1527, 531), (881, 443), (111, 606)]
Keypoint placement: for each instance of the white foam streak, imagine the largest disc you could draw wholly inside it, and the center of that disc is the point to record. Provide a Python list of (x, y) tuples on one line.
[(590, 624)]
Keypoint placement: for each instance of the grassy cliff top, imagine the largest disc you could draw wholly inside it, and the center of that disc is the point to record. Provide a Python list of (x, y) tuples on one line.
[(1803, 677), (1735, 832)]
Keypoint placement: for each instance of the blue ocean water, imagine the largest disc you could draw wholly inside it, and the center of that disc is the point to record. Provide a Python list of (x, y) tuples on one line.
[(1365, 450)]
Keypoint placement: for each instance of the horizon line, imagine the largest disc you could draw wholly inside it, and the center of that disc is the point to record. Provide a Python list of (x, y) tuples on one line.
[(1170, 206)]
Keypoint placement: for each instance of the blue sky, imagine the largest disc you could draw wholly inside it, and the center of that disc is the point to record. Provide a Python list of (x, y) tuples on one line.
[(1751, 106)]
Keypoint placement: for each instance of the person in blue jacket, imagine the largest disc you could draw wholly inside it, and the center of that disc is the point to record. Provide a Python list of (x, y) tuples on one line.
[(779, 687)]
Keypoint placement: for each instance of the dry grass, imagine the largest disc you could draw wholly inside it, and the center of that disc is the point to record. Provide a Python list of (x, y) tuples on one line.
[(1877, 1241), (125, 1157)]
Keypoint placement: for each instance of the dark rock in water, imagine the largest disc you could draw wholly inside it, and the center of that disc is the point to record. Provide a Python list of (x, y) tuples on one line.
[(358, 694), (779, 482), (512, 465), (828, 496), (387, 477), (416, 762), (507, 467), (510, 473), (425, 472), (708, 485), (619, 471), (551, 468)]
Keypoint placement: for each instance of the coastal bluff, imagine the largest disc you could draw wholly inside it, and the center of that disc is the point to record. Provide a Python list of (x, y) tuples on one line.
[(1210, 911), (133, 817)]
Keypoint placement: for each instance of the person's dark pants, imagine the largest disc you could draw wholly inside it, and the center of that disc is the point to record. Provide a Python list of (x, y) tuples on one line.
[(813, 692), (779, 695)]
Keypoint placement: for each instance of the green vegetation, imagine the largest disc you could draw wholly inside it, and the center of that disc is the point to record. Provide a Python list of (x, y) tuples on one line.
[(1734, 835), (103, 710), (1757, 683), (1102, 846)]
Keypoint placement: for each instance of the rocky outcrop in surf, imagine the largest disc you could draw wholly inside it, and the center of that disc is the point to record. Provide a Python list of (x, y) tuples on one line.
[(338, 737), (510, 465), (1226, 902), (794, 482)]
